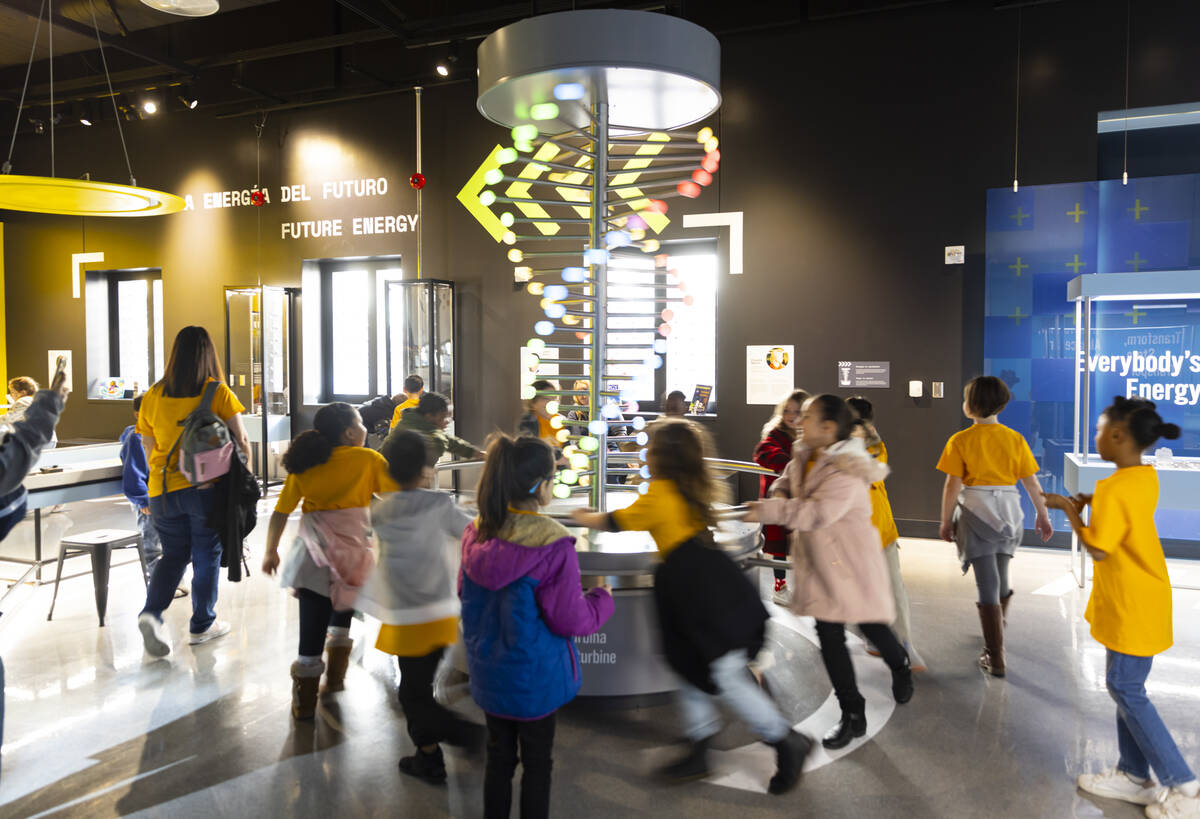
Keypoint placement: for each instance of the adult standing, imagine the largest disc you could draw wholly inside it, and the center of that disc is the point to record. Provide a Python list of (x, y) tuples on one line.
[(179, 510)]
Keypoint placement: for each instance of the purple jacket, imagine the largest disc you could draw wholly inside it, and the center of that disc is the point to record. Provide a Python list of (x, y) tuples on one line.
[(522, 602)]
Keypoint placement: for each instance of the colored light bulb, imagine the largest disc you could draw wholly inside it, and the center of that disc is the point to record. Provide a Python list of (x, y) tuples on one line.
[(573, 321), (595, 255), (704, 135), (556, 421), (639, 423), (635, 222), (524, 147), (527, 392), (711, 144), (509, 238), (588, 444), (702, 177), (522, 274), (557, 292), (668, 314), (569, 476), (544, 328), (632, 406), (543, 111), (574, 274), (569, 91), (616, 238), (643, 454), (711, 161), (562, 491), (536, 345), (580, 461), (584, 337), (506, 155), (555, 311), (656, 206), (644, 472), (642, 438), (535, 288), (507, 219), (524, 133), (688, 189), (552, 407), (493, 176), (516, 255), (662, 260), (651, 245), (487, 199), (597, 427), (637, 234), (664, 329), (689, 299), (563, 435), (643, 488), (660, 345), (610, 411)]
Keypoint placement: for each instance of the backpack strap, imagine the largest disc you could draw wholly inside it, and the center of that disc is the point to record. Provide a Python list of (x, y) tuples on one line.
[(210, 393)]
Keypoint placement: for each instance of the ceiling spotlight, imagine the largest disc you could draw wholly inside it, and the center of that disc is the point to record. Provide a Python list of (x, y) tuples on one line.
[(39, 126), (188, 97), (80, 112), (442, 70), (150, 107)]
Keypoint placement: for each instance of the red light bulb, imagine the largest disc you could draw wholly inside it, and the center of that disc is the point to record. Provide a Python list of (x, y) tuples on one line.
[(688, 189), (711, 161), (664, 330), (668, 314), (689, 300), (702, 177), (657, 206)]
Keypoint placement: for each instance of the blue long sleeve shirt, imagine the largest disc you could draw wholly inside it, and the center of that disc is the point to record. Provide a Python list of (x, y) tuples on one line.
[(134, 469)]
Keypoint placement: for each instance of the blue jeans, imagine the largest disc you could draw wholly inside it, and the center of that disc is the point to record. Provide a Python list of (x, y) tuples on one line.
[(738, 690), (1143, 740), (180, 518)]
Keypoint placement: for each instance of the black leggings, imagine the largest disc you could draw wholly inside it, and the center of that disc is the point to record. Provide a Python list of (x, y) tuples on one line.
[(429, 722), (316, 616), (832, 637), (536, 740)]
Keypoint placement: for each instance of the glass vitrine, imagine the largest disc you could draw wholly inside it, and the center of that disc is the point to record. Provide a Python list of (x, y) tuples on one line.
[(420, 334)]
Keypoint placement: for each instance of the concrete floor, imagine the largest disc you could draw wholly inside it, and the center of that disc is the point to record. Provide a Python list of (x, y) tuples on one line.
[(93, 728)]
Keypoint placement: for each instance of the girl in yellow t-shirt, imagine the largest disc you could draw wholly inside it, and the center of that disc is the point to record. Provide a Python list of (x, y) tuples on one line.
[(1130, 608), (885, 523), (336, 477), (981, 508)]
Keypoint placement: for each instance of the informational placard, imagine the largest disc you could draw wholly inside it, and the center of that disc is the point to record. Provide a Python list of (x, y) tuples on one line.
[(865, 375), (700, 398), (770, 372)]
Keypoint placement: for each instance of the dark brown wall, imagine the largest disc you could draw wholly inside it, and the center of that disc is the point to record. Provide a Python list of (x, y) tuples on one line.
[(857, 148)]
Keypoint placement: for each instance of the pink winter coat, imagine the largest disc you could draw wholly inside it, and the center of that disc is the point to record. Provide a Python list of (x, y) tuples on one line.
[(841, 574)]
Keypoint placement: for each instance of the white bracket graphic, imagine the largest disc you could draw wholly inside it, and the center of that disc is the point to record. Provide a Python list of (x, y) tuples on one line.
[(731, 220), (78, 260)]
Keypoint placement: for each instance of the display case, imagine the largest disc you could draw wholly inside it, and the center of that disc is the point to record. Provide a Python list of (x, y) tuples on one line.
[(260, 345), (420, 334), (1158, 360)]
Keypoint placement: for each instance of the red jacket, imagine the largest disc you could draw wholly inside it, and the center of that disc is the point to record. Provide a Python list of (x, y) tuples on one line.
[(773, 452)]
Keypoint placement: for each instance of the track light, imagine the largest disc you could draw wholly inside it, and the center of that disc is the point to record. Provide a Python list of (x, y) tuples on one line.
[(39, 126), (188, 97), (150, 107), (442, 70), (79, 112)]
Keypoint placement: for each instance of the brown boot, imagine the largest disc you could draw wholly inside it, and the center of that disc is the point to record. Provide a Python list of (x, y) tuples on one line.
[(337, 660), (991, 618), (306, 680), (1004, 601)]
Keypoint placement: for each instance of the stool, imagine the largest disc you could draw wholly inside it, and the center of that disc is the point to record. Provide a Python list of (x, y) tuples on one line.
[(98, 543)]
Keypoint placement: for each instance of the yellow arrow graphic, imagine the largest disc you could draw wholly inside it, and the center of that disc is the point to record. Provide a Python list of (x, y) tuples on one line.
[(469, 196)]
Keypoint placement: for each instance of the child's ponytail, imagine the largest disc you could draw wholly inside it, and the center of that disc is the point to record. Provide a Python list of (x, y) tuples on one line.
[(1142, 420), (315, 447), (514, 471)]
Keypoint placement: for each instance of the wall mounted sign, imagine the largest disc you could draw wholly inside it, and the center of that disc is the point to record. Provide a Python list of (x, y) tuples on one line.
[(700, 398), (865, 375), (770, 372)]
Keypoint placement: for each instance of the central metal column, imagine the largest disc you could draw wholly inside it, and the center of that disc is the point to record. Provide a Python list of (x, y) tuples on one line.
[(600, 286)]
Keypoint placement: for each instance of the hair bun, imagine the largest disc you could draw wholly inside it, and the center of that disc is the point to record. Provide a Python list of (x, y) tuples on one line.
[(1168, 431)]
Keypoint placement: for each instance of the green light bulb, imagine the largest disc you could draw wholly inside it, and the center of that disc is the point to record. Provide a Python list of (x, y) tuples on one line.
[(506, 155), (544, 110), (487, 199), (507, 219), (524, 133), (493, 176)]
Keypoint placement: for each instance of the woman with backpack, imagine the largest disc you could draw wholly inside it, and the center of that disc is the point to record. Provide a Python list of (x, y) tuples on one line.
[(180, 501)]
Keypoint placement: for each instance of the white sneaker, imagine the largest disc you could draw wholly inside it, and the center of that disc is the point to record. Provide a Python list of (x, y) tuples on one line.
[(783, 595), (154, 635), (1116, 784), (219, 628), (1172, 804)]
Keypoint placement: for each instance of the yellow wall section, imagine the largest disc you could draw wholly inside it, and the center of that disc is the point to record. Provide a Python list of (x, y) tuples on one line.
[(3, 333)]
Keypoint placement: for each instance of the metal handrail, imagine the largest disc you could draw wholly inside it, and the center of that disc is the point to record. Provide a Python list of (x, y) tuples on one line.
[(717, 463)]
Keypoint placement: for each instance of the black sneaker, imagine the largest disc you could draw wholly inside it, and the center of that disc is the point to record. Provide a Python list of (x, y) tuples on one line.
[(902, 683), (849, 729), (428, 766), (790, 754), (694, 765)]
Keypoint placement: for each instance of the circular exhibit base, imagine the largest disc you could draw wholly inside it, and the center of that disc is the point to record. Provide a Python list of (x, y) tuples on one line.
[(81, 197)]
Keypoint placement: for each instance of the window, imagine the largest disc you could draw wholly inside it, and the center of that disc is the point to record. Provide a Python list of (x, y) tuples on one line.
[(636, 287), (124, 327), (348, 348)]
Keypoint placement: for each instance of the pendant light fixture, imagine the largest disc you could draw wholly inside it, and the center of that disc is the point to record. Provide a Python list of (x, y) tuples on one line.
[(1125, 150), (76, 197), (1017, 117), (185, 8)]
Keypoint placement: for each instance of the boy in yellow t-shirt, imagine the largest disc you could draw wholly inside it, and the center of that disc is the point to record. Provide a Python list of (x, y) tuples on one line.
[(414, 388), (981, 508), (1130, 609)]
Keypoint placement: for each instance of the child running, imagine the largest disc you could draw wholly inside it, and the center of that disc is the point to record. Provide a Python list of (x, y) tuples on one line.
[(1130, 609), (774, 452), (981, 508), (841, 575), (336, 476), (885, 523), (713, 623), (521, 604), (412, 592)]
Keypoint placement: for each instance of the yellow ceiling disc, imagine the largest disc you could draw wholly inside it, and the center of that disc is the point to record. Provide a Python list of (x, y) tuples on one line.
[(81, 197)]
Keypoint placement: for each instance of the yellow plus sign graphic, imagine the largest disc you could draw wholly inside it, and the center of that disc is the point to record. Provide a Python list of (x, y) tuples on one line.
[(1075, 264), (1136, 314), (1137, 210), (1018, 267), (1018, 315), (1076, 213), (1020, 216), (1136, 262)]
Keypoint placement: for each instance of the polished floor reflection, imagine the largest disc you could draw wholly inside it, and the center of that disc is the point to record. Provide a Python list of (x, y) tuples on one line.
[(94, 728)]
